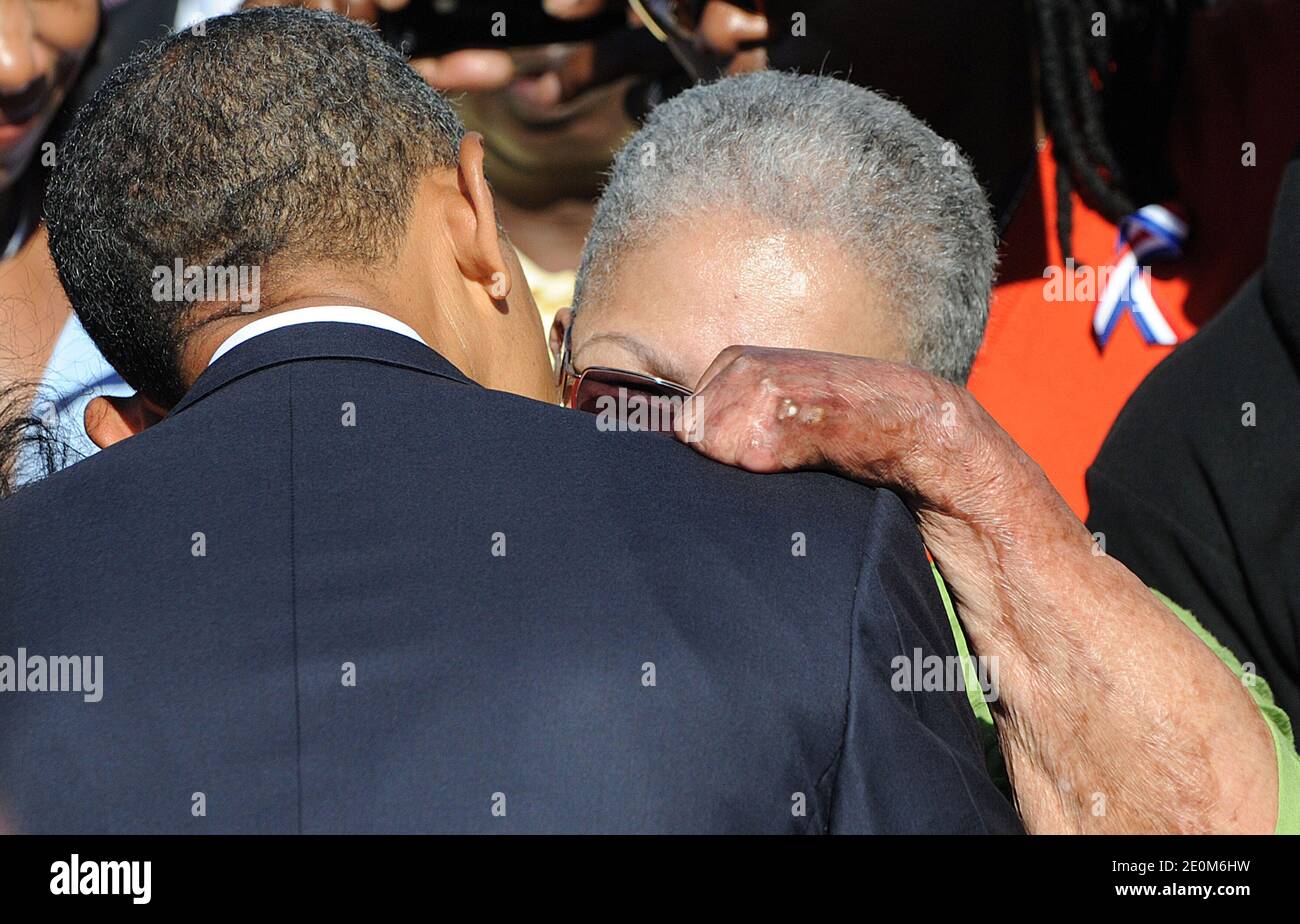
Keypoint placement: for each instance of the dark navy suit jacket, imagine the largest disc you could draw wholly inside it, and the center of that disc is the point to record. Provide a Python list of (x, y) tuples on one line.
[(349, 654)]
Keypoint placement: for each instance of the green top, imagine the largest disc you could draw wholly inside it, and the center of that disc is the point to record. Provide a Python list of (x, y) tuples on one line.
[(1288, 762)]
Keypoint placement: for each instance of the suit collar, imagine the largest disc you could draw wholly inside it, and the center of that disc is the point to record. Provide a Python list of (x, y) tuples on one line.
[(324, 340), (346, 314)]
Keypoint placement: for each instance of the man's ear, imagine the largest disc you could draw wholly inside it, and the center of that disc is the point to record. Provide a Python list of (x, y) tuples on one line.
[(480, 257), (559, 326), (110, 419)]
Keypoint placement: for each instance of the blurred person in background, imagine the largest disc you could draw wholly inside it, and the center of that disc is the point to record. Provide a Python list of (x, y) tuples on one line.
[(1162, 143), (42, 49), (1197, 488), (808, 214), (548, 144)]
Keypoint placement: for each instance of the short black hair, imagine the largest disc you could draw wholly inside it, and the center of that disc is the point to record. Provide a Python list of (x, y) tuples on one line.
[(273, 134)]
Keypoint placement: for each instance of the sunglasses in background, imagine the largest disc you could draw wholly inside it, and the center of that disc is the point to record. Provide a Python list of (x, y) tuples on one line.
[(627, 400)]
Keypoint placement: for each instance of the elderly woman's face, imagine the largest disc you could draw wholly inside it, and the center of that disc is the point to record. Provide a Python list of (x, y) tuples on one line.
[(42, 45), (668, 309)]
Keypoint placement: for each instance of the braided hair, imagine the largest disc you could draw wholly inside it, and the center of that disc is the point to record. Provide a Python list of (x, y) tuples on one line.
[(1107, 74)]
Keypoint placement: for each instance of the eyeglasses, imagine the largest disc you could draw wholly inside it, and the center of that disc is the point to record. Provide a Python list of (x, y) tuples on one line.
[(633, 400)]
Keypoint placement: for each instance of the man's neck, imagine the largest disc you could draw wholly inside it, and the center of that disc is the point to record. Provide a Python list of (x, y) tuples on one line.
[(209, 338)]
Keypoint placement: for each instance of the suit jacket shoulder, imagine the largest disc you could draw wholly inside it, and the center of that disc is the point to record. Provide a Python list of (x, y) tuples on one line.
[(344, 589)]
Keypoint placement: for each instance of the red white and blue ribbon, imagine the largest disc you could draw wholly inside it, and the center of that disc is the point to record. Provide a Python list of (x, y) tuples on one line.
[(1150, 234)]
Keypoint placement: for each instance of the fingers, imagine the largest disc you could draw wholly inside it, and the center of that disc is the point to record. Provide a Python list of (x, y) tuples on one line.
[(739, 414), (363, 10), (543, 90), (689, 427), (771, 410), (726, 28), (720, 362), (573, 9), (478, 69)]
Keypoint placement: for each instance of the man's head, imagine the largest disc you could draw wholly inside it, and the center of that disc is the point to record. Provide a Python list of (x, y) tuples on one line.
[(42, 45), (782, 210), (299, 144)]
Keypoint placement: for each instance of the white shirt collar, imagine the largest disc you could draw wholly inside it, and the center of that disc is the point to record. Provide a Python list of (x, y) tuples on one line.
[(346, 314)]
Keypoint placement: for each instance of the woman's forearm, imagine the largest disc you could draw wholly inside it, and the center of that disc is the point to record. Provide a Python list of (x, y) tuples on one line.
[(1112, 715)]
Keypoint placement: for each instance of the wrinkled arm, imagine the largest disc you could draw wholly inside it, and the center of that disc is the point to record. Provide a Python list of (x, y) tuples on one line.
[(1112, 715)]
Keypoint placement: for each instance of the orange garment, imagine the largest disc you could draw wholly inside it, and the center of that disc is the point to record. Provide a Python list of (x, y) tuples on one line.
[(1041, 373)]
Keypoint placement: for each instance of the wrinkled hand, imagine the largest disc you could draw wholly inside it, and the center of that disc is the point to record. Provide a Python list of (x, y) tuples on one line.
[(878, 422)]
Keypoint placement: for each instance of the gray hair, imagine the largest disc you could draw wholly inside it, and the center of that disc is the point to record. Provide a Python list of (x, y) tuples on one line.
[(816, 153)]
